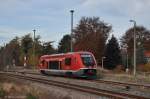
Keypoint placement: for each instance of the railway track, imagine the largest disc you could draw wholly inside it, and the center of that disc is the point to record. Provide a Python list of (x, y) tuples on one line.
[(124, 84), (96, 91), (127, 85)]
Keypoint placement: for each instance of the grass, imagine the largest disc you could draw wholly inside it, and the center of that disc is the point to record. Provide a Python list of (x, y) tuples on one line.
[(123, 76), (2, 93), (31, 96), (99, 74), (7, 89)]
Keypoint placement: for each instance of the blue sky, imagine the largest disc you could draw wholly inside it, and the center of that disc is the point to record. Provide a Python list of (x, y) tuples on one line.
[(51, 18)]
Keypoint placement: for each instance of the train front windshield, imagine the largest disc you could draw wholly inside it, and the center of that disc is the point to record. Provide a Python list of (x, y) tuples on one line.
[(87, 60)]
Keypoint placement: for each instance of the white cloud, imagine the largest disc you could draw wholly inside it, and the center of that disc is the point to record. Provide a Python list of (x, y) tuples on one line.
[(119, 12), (126, 7), (20, 16)]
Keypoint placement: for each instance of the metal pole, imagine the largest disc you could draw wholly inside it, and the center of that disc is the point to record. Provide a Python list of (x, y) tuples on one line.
[(126, 50), (127, 63), (34, 48), (134, 48), (103, 62), (71, 42), (134, 72)]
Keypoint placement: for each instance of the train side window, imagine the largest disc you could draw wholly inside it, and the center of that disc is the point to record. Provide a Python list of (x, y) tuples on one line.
[(42, 62), (54, 64), (68, 61)]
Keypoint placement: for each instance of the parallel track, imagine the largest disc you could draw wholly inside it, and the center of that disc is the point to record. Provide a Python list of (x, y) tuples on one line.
[(96, 91), (122, 83)]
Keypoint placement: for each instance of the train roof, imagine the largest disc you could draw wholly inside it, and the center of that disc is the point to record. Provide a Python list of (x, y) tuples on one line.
[(69, 53)]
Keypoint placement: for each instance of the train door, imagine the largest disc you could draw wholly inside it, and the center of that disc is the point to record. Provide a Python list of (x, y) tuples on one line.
[(54, 65), (60, 65)]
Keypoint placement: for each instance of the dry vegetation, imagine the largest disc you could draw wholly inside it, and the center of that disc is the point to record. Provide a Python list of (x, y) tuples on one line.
[(146, 67), (120, 75), (11, 89)]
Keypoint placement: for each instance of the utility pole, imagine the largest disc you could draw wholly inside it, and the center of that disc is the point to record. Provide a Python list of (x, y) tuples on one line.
[(103, 62), (125, 47), (34, 47), (134, 72), (71, 42)]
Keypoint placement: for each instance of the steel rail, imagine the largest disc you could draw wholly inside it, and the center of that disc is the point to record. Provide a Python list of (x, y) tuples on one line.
[(122, 83)]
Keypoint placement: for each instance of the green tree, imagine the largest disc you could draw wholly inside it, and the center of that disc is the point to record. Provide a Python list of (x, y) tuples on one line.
[(64, 44), (18, 48), (1, 57), (143, 40), (9, 54), (38, 46), (26, 43), (90, 35), (112, 54), (142, 36), (33, 60), (48, 48), (140, 55)]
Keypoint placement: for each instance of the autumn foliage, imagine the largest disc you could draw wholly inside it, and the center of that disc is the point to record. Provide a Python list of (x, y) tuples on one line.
[(91, 35)]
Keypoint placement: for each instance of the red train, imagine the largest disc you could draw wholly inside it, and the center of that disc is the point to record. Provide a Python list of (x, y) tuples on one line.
[(73, 64)]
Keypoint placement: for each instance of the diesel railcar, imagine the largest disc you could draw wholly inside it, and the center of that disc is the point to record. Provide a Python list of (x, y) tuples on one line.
[(72, 64)]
